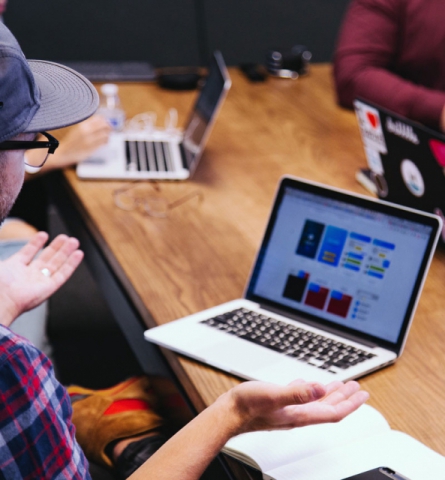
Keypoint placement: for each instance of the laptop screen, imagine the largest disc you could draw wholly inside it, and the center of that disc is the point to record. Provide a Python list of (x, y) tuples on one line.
[(343, 260), (205, 110)]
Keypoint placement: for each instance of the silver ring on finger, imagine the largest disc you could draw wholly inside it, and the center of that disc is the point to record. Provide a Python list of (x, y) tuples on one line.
[(46, 271)]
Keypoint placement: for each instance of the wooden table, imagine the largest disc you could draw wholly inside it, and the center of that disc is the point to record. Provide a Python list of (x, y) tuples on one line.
[(202, 254)]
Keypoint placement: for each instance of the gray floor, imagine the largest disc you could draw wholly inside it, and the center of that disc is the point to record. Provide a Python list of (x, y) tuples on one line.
[(88, 346)]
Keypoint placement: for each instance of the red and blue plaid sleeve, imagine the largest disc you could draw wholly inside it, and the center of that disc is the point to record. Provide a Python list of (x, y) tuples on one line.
[(37, 437)]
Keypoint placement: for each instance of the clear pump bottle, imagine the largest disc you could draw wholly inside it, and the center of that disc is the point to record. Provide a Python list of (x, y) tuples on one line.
[(110, 107)]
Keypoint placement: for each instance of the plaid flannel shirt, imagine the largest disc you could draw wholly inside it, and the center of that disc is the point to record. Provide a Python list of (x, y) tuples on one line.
[(36, 433)]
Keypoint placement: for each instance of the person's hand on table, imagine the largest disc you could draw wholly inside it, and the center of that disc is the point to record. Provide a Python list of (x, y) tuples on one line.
[(78, 144), (27, 280), (249, 407), (263, 406)]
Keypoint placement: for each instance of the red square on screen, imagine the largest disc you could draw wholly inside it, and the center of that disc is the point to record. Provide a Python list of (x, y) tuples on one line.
[(339, 304), (316, 296)]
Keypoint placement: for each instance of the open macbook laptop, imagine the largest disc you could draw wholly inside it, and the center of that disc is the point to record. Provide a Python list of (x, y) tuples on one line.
[(162, 155), (331, 295), (406, 159)]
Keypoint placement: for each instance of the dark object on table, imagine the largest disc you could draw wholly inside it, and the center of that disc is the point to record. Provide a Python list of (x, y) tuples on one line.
[(288, 63), (254, 71), (382, 473), (367, 179), (182, 78)]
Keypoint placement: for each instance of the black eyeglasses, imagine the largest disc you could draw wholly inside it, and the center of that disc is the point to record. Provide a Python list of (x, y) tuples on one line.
[(36, 161)]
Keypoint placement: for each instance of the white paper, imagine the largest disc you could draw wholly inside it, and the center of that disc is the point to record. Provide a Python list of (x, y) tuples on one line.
[(277, 448), (392, 449)]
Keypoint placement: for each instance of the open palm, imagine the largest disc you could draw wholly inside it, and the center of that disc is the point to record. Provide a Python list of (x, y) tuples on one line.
[(23, 286), (264, 406)]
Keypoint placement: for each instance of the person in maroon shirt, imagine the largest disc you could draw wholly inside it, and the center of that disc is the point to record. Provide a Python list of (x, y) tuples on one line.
[(392, 52)]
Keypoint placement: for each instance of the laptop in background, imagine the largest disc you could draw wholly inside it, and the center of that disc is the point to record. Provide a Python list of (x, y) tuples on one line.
[(161, 155), (100, 71), (331, 296), (406, 159)]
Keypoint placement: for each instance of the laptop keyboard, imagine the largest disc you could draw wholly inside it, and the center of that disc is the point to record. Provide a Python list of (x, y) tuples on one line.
[(143, 156), (296, 342), (98, 71)]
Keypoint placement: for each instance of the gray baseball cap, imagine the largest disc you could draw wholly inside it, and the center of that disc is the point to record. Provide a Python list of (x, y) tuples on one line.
[(38, 95)]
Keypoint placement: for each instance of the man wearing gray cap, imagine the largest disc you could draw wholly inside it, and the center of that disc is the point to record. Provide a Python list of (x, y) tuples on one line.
[(35, 413), (37, 436)]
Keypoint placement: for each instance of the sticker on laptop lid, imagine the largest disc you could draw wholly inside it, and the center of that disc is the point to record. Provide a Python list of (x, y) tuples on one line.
[(370, 127), (374, 161), (402, 130), (438, 149), (412, 177)]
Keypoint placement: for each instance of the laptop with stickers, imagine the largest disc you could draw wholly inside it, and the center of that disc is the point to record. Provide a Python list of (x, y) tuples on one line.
[(331, 295), (163, 155), (406, 159)]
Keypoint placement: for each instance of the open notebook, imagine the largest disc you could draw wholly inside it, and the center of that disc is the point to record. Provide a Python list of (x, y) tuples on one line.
[(360, 442)]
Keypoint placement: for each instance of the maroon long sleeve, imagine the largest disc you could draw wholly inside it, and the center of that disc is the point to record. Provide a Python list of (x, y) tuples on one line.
[(392, 52)]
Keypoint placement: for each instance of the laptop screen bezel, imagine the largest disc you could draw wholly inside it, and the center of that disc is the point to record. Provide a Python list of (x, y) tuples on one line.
[(361, 201), (218, 63)]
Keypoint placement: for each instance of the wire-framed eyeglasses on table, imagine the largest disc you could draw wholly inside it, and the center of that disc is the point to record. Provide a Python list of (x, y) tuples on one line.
[(153, 204)]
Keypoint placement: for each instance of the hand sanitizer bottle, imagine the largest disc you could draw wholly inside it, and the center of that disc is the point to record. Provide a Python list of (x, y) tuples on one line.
[(109, 106)]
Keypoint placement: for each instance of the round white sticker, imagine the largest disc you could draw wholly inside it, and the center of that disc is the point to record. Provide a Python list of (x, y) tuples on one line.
[(412, 177)]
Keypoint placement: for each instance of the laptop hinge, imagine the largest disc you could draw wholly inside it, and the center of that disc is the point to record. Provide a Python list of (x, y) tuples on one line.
[(333, 330), (183, 156)]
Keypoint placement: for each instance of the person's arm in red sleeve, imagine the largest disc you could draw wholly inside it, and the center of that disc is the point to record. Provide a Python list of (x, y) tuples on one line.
[(366, 50)]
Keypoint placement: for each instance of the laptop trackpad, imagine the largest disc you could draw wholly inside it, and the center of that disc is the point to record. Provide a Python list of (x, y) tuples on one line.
[(259, 363), (237, 355)]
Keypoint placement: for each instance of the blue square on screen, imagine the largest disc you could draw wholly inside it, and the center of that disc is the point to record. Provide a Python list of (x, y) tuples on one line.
[(332, 245)]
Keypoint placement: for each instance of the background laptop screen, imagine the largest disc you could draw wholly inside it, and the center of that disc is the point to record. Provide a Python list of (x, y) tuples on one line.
[(352, 266), (205, 109)]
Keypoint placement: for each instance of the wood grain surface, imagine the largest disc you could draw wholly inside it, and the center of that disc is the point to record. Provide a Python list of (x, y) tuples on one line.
[(202, 253)]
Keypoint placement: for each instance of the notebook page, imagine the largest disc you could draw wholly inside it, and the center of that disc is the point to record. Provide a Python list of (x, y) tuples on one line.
[(392, 449), (275, 448)]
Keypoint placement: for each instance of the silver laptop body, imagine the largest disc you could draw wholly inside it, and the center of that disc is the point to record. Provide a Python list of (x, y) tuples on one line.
[(161, 154), (331, 296)]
